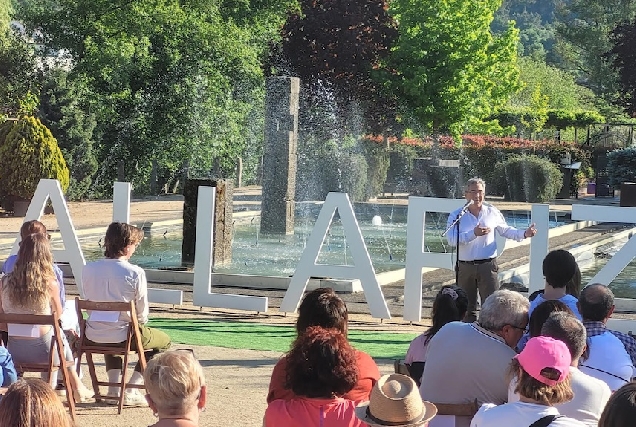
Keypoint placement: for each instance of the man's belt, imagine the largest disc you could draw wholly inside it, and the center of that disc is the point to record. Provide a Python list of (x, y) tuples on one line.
[(477, 261)]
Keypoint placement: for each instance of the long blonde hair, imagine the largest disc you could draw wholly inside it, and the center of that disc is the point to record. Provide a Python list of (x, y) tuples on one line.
[(27, 285)]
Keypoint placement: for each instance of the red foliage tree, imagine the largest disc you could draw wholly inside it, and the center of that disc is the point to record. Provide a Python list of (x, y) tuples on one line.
[(624, 62)]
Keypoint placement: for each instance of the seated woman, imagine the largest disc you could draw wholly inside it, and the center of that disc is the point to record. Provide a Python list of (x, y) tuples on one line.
[(176, 388), (543, 372), (539, 317), (620, 410), (32, 402), (322, 307), (450, 305), (31, 288), (320, 369)]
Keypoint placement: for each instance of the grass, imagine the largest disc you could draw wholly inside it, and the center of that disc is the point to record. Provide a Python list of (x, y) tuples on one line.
[(253, 336)]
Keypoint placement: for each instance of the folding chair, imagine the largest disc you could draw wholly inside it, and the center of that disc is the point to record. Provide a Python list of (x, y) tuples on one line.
[(447, 413), (89, 348), (57, 345)]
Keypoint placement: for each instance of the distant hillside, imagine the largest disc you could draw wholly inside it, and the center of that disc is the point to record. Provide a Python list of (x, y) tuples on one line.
[(535, 20)]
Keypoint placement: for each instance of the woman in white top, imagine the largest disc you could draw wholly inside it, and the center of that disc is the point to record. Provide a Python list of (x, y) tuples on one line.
[(32, 288), (543, 371)]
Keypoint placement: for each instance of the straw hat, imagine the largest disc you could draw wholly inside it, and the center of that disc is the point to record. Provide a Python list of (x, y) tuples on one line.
[(395, 401)]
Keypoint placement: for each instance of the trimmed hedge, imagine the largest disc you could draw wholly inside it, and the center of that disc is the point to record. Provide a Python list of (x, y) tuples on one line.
[(528, 178), (29, 153)]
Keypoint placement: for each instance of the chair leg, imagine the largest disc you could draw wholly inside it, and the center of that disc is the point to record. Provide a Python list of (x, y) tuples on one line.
[(69, 391), (93, 374), (124, 382)]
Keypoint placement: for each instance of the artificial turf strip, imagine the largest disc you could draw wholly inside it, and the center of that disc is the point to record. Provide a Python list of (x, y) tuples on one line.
[(253, 336)]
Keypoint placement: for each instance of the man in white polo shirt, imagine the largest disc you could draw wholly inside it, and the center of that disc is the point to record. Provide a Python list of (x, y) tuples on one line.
[(468, 361), (477, 261)]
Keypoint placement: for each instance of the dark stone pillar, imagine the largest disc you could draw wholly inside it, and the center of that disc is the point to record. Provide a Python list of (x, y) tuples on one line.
[(223, 228), (280, 156)]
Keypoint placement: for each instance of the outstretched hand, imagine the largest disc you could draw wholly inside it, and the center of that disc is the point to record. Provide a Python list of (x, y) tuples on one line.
[(530, 231)]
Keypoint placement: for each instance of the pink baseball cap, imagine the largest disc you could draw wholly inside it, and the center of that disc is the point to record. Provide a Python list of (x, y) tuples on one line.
[(545, 352)]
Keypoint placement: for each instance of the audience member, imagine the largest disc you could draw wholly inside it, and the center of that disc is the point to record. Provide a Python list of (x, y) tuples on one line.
[(620, 410), (611, 353), (31, 402), (559, 267), (538, 318), (468, 361), (322, 307), (572, 288), (542, 370), (176, 388), (320, 369), (115, 279), (9, 374), (395, 402), (68, 316), (450, 305), (590, 394), (31, 288)]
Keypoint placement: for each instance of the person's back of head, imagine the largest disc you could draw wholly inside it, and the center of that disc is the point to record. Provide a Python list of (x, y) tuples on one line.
[(596, 302), (542, 370), (175, 382), (322, 307), (503, 307), (541, 313), (450, 305), (620, 410), (559, 267), (321, 363), (564, 326), (32, 402), (32, 227), (119, 235)]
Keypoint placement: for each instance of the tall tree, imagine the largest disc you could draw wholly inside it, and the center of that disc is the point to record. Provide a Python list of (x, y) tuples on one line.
[(65, 109), (624, 53), (175, 81), (447, 68), (583, 38), (334, 46)]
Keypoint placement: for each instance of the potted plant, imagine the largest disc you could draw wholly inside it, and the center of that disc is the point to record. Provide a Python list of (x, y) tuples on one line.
[(28, 153), (621, 170)]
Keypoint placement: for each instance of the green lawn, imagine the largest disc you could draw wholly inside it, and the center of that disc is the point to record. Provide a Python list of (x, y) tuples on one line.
[(254, 336)]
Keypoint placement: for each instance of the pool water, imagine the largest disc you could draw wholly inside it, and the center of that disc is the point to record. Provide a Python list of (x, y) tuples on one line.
[(255, 253)]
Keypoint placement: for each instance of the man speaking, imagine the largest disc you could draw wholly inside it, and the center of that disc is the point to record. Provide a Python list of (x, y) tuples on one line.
[(477, 255)]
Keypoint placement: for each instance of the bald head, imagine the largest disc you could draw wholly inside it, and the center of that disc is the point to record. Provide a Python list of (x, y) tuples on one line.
[(596, 302)]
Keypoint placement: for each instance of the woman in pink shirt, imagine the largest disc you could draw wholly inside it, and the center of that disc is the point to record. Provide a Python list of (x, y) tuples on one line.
[(321, 367)]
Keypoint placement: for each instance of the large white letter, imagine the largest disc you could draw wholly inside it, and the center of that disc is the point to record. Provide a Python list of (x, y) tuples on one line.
[(203, 262), (610, 214), (362, 268), (72, 252)]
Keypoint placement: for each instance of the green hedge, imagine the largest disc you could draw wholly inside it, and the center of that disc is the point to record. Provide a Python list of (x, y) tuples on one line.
[(29, 153), (528, 178)]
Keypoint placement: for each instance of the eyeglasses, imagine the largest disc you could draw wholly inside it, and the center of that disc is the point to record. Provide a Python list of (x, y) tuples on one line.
[(518, 327)]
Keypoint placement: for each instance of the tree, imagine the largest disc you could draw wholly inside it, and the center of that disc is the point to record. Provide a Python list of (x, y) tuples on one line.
[(624, 53), (65, 110), (19, 76), (447, 68), (583, 33), (28, 154), (334, 47), (175, 81)]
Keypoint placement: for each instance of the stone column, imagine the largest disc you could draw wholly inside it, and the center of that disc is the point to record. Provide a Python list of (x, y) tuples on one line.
[(223, 226), (280, 155)]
